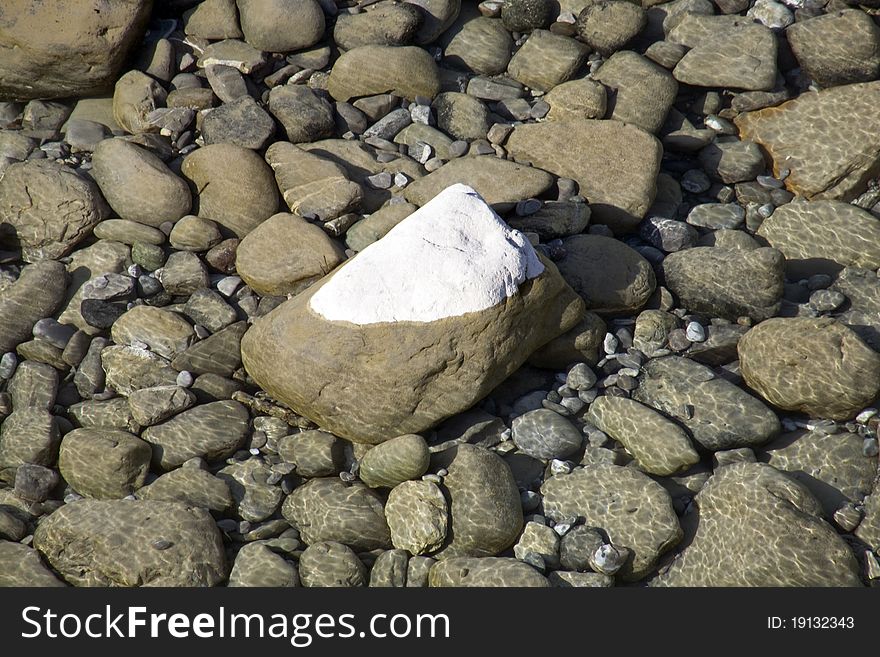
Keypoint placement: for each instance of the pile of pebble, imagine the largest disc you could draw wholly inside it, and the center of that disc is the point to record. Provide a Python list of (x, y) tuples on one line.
[(685, 393)]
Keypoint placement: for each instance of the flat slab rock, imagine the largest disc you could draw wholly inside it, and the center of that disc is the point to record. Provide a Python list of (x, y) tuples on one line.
[(829, 140), (823, 237), (409, 351), (718, 414), (486, 572), (126, 543), (635, 511), (759, 527), (615, 165), (728, 283), (496, 180), (832, 466)]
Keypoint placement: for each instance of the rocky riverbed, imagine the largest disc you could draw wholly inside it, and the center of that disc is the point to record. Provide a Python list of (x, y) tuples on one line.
[(439, 293)]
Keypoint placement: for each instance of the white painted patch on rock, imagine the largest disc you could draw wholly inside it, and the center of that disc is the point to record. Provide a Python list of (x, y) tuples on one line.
[(453, 256)]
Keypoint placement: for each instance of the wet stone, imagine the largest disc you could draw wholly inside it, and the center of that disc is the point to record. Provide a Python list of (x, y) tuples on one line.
[(545, 434)]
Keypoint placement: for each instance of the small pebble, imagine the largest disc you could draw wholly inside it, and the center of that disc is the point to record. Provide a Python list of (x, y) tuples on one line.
[(560, 467), (695, 332), (185, 379), (610, 343), (8, 364)]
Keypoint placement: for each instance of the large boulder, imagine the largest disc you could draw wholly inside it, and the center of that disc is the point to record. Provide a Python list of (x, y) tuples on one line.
[(59, 50), (417, 327)]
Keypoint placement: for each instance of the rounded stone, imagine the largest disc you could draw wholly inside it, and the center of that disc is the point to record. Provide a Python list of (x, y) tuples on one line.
[(610, 276), (484, 502), (46, 209), (138, 185), (816, 366), (113, 543), (608, 25), (394, 461), (281, 25), (285, 254), (234, 186), (545, 434), (417, 516), (104, 464), (328, 509), (256, 565), (193, 233), (314, 453), (331, 564)]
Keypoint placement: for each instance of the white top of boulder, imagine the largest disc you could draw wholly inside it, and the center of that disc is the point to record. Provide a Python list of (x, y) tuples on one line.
[(452, 256)]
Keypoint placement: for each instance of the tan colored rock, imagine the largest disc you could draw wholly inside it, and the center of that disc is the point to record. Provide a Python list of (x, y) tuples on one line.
[(281, 25), (577, 99), (729, 283), (404, 71), (816, 366), (38, 293), (164, 332), (312, 185), (113, 543), (484, 504), (417, 516), (482, 46), (641, 92), (328, 509), (80, 55), (829, 140), (497, 181), (742, 58), (233, 186), (104, 464), (546, 60), (46, 209), (823, 237), (285, 254), (635, 511), (610, 276), (759, 527), (138, 185), (659, 445), (395, 461), (840, 47), (135, 96), (615, 166)]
